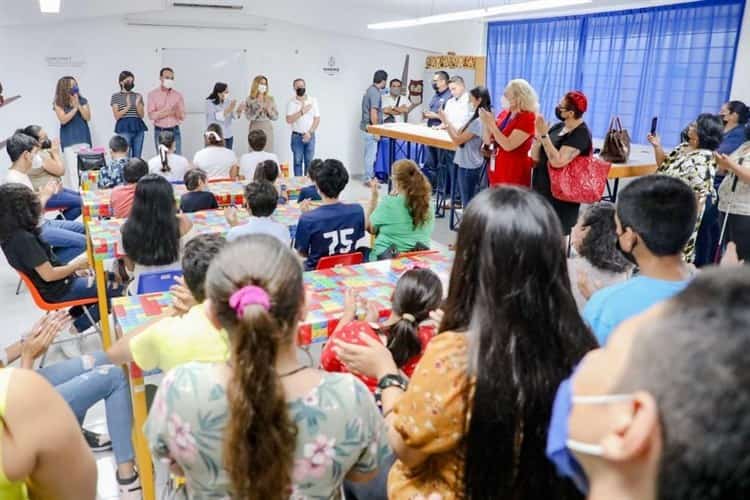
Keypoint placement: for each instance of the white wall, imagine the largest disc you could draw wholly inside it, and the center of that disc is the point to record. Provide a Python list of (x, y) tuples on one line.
[(283, 52)]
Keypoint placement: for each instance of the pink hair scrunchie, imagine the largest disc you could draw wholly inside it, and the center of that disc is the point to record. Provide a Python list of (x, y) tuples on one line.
[(248, 296)]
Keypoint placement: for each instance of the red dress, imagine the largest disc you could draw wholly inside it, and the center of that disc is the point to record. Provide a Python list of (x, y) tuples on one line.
[(513, 167), (350, 333)]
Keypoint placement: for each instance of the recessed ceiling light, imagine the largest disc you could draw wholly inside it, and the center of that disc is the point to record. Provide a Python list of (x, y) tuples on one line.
[(49, 6)]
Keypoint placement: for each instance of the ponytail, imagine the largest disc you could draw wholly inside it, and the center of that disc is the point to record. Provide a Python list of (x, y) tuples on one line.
[(403, 340), (164, 157)]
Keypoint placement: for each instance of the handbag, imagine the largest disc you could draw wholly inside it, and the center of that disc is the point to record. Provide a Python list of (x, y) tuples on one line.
[(581, 181), (616, 147)]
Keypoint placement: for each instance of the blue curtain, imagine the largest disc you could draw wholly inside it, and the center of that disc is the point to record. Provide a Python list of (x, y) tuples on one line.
[(673, 62)]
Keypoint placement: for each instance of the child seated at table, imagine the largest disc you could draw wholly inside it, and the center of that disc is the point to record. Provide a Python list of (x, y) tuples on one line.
[(311, 192), (169, 340), (110, 174), (261, 199), (198, 196), (249, 161), (406, 332), (122, 196), (333, 228), (269, 171)]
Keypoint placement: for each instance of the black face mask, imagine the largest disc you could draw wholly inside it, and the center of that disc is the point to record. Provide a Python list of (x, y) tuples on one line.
[(558, 114), (128, 86), (300, 91), (724, 119), (628, 255), (435, 86), (46, 144)]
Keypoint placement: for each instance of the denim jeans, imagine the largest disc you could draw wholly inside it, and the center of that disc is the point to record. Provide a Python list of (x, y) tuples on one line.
[(85, 288), (302, 153), (468, 181), (370, 153), (135, 140), (69, 201), (67, 238), (177, 138), (83, 381)]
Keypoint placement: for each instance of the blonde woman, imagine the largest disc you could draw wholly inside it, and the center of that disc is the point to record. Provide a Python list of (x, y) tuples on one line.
[(513, 133), (260, 110)]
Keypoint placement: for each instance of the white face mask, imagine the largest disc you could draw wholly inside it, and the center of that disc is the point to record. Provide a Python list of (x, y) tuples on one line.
[(37, 161), (227, 97), (504, 102), (262, 88), (596, 450), (168, 83)]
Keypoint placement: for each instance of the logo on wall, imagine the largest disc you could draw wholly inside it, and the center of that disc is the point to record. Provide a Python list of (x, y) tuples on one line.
[(332, 69)]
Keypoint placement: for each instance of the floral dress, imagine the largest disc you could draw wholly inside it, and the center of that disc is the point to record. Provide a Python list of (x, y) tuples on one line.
[(260, 116), (697, 169), (339, 429)]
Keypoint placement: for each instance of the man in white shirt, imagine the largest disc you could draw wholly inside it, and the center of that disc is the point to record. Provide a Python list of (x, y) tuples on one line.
[(395, 105), (257, 140), (457, 107), (303, 115)]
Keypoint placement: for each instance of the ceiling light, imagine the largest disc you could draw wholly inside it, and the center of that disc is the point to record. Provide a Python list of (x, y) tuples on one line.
[(463, 15), (49, 6)]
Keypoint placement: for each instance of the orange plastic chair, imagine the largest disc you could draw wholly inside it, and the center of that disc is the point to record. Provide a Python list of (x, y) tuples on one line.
[(418, 253), (219, 179), (346, 259)]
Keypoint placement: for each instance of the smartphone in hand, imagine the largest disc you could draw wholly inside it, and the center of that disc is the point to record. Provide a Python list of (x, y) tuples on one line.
[(654, 123)]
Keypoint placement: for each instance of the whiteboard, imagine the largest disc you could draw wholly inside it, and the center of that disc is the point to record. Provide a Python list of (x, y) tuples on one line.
[(196, 71)]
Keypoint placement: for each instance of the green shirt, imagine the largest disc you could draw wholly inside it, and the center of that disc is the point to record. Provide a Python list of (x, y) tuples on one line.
[(394, 225)]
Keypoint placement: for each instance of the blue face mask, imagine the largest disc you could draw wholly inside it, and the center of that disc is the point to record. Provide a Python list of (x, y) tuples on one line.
[(560, 447), (74, 90)]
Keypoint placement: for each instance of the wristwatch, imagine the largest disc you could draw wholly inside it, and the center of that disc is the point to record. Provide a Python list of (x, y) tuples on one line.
[(390, 380)]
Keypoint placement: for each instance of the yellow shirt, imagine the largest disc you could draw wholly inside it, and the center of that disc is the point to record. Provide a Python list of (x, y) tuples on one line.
[(175, 341), (8, 490)]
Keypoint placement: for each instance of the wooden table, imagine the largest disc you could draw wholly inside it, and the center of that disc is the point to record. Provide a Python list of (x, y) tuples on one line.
[(641, 162), (325, 291)]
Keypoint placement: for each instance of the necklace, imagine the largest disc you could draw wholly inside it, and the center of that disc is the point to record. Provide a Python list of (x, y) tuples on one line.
[(292, 372)]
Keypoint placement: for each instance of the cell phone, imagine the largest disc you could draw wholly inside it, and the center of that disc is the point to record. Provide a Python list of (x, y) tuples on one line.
[(654, 123)]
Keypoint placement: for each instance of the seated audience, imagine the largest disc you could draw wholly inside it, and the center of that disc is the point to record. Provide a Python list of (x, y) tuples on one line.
[(20, 212), (655, 217), (261, 199), (511, 321), (406, 332), (110, 175), (277, 429), (168, 163), (269, 171), (67, 238), (734, 197), (82, 382), (311, 192), (598, 262), (44, 454), (660, 412), (49, 167), (154, 234), (334, 227), (215, 159), (403, 221), (693, 163), (257, 141), (121, 197), (172, 340), (198, 196)]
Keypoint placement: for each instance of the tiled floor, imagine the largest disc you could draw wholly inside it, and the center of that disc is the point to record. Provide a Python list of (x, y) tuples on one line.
[(18, 314)]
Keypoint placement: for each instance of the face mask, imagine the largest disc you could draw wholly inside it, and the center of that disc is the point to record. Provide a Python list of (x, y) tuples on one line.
[(300, 91), (395, 91), (560, 447), (45, 144), (627, 255), (724, 119), (262, 88), (128, 86), (227, 96), (74, 90), (558, 114), (504, 102), (168, 83), (434, 86), (37, 162)]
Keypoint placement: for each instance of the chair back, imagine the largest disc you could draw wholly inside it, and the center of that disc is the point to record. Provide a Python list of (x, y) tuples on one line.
[(347, 259), (157, 281), (417, 253), (42, 304)]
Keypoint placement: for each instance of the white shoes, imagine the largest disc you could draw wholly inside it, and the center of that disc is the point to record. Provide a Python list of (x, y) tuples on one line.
[(130, 489)]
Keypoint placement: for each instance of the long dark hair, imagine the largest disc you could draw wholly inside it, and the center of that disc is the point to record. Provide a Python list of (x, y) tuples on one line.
[(260, 437), (599, 246), (510, 291), (20, 210), (219, 87), (485, 102), (151, 235), (417, 292), (166, 139)]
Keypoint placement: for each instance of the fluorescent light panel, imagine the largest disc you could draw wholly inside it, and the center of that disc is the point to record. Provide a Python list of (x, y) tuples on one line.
[(49, 6), (464, 15)]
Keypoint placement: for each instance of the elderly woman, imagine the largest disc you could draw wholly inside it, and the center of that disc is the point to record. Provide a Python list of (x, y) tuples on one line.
[(693, 162), (556, 147), (734, 196), (513, 133)]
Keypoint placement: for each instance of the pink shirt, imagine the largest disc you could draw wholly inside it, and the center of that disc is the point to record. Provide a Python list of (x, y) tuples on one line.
[(160, 99), (121, 200)]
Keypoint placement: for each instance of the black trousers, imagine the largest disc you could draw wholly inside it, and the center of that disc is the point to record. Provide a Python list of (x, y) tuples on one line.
[(738, 231)]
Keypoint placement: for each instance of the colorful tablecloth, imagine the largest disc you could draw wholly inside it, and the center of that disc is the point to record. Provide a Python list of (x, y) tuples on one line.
[(89, 179), (374, 281)]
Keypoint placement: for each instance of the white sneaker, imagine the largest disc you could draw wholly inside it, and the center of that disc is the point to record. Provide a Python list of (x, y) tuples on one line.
[(71, 348), (130, 489)]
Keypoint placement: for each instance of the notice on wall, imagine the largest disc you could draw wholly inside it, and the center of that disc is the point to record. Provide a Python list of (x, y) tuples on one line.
[(65, 61), (332, 68)]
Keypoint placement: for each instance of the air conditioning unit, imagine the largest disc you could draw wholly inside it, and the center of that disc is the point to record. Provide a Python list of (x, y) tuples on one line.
[(209, 4)]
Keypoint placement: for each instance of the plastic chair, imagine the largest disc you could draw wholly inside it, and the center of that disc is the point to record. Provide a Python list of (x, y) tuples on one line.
[(418, 253), (347, 259), (220, 179), (158, 281)]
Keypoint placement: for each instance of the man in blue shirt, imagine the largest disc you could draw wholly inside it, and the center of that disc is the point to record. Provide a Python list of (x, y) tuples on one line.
[(335, 227), (655, 217), (372, 114), (436, 159)]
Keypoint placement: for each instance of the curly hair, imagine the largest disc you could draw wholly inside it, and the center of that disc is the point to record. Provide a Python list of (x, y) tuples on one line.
[(599, 246), (260, 437), (416, 188), (20, 210)]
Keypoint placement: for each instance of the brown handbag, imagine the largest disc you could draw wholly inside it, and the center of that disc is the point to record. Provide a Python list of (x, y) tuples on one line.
[(616, 147)]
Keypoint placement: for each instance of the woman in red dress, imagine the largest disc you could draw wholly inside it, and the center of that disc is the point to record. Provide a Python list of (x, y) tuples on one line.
[(512, 133)]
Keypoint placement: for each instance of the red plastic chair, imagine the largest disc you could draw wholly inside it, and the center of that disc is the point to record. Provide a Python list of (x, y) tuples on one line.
[(418, 253), (346, 259)]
